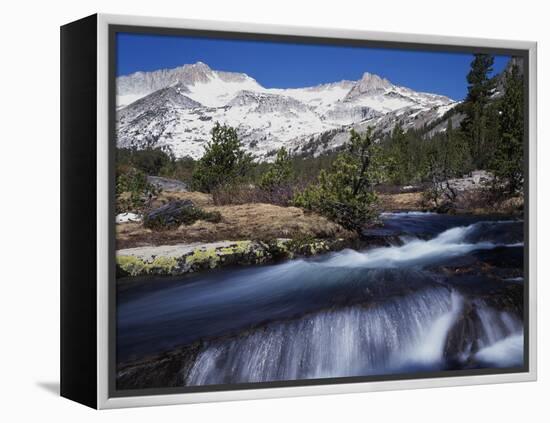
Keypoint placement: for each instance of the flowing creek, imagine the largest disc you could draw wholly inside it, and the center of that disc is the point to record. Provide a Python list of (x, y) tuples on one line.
[(447, 295)]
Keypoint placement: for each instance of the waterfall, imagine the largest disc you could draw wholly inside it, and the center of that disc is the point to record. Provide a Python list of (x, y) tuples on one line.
[(398, 334)]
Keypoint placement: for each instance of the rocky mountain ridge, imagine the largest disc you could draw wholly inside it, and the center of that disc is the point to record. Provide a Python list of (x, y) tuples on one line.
[(175, 109)]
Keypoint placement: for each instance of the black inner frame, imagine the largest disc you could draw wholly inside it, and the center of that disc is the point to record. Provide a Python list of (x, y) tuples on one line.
[(112, 32)]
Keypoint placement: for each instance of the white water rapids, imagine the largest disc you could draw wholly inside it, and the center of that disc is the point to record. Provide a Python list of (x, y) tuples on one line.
[(450, 243), (399, 334)]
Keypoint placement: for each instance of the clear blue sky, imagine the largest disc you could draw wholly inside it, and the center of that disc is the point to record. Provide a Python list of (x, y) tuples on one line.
[(284, 65)]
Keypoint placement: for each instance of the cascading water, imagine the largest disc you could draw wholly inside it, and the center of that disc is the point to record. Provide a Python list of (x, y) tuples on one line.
[(418, 252), (387, 310), (400, 335)]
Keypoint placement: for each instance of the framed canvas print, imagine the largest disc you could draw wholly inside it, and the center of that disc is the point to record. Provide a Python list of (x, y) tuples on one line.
[(254, 211)]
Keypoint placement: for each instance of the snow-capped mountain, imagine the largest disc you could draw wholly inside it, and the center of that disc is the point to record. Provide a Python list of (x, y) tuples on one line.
[(209, 87), (176, 109)]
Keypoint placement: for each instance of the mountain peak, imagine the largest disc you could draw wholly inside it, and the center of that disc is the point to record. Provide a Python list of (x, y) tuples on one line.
[(369, 84), (374, 78), (198, 66), (193, 73)]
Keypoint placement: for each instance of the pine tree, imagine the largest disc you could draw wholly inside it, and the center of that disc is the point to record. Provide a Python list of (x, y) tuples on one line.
[(444, 159), (401, 144), (507, 165), (480, 89), (223, 162), (279, 172), (457, 156), (398, 161)]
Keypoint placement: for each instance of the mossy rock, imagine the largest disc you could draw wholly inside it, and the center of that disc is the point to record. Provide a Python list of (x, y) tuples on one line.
[(202, 259), (134, 266), (130, 266)]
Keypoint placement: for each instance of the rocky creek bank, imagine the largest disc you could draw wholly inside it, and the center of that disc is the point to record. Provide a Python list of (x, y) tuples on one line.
[(174, 260)]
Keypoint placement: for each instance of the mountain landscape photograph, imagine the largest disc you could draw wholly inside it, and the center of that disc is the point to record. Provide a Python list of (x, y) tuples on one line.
[(292, 211)]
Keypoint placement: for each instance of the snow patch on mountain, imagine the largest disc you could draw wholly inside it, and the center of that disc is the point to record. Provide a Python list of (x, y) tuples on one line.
[(219, 90)]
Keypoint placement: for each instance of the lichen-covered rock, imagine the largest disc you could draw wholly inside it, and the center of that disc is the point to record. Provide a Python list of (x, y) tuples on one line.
[(136, 266), (171, 260)]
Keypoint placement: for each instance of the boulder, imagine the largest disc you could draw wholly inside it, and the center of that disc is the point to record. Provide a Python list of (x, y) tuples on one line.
[(164, 370), (172, 214), (166, 184)]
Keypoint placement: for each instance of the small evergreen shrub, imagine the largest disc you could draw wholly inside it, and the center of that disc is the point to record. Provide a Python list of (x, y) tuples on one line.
[(279, 173), (345, 193), (132, 190)]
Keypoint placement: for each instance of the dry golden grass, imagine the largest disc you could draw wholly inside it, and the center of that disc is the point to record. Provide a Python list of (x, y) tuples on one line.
[(470, 202), (481, 202), (239, 222), (404, 201), (199, 198)]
